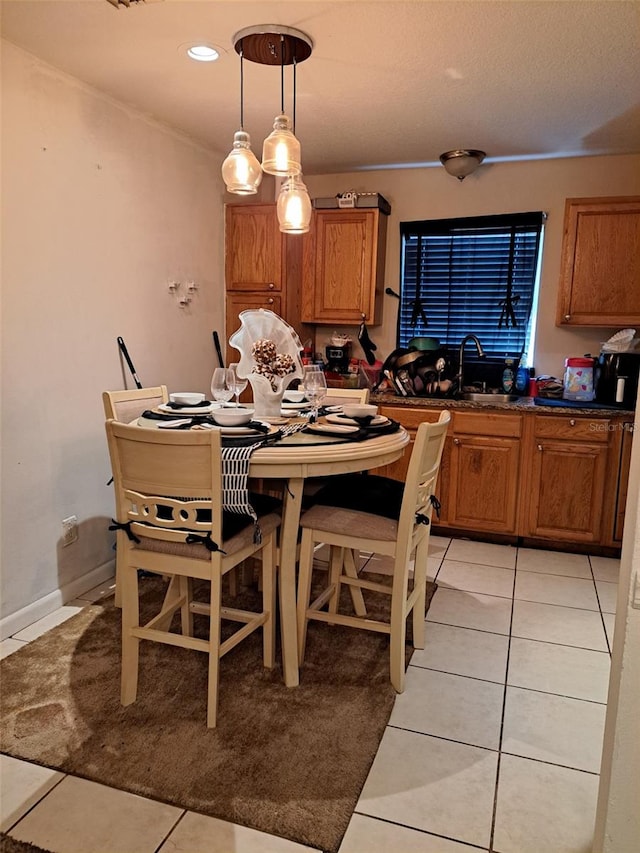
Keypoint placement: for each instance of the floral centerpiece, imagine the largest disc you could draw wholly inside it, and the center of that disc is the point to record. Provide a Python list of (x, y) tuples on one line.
[(269, 358)]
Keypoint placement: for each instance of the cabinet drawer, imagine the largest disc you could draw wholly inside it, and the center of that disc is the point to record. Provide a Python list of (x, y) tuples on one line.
[(255, 286), (487, 423), (591, 429)]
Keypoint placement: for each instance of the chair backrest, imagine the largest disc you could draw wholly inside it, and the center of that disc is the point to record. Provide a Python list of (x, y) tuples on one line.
[(148, 464), (124, 406), (340, 396), (422, 473)]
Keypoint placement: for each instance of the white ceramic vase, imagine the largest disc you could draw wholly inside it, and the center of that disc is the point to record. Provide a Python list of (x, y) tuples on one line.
[(266, 402)]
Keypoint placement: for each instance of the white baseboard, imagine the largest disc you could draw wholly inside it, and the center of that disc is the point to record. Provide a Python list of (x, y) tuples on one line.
[(15, 622)]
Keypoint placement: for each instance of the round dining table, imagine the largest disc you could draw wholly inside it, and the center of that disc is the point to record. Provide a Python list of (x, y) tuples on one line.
[(293, 459)]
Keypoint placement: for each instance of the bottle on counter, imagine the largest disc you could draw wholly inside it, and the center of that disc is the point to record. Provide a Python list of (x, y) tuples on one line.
[(533, 384), (522, 376), (508, 376)]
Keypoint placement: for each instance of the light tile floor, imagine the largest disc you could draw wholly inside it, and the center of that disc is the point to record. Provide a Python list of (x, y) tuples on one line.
[(494, 745)]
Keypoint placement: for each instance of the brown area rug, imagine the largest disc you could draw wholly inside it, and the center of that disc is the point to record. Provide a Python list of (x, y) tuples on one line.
[(12, 845), (290, 762)]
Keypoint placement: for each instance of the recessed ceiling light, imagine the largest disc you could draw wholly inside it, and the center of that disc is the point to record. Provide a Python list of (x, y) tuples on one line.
[(202, 52)]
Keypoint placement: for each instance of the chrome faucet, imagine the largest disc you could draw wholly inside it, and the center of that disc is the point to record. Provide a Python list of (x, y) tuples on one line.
[(466, 338)]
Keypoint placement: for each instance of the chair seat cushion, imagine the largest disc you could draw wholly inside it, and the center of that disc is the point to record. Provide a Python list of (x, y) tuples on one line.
[(196, 551), (350, 522), (368, 493)]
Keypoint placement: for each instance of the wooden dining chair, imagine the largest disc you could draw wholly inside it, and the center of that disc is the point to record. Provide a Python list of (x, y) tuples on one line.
[(342, 396), (382, 516), (185, 539), (125, 406)]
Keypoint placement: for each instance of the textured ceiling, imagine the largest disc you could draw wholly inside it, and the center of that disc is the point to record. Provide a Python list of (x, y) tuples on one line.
[(388, 83)]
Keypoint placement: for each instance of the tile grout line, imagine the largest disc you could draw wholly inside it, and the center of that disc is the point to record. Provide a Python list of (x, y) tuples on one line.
[(504, 706), (604, 626), (387, 820), (171, 831), (40, 800)]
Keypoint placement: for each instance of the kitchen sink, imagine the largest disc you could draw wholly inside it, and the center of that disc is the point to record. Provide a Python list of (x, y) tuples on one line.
[(479, 397)]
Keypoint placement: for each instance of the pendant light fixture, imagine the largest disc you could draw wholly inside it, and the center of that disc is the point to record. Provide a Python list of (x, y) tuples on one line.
[(270, 44), (241, 170), (281, 149), (294, 206)]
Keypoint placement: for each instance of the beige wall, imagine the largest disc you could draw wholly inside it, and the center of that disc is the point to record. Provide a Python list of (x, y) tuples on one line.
[(100, 207), (431, 193)]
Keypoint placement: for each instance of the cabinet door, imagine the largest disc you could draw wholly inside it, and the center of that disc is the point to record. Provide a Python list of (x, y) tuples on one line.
[(345, 270), (483, 483), (623, 482), (567, 491), (254, 248), (600, 263)]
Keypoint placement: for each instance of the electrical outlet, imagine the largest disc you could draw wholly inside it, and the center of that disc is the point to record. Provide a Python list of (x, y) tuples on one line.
[(69, 530)]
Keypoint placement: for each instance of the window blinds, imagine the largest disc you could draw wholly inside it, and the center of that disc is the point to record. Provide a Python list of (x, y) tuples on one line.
[(475, 274)]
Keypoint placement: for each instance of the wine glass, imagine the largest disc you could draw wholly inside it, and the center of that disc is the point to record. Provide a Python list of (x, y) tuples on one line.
[(221, 385), (237, 383), (314, 383)]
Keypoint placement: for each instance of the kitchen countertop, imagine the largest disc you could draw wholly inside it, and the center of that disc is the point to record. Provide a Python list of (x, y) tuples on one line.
[(524, 405)]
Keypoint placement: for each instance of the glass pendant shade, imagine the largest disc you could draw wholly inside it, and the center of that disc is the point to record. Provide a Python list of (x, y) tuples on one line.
[(241, 170), (294, 206), (281, 150)]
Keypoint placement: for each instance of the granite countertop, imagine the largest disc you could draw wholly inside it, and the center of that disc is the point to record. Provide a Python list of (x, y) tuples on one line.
[(524, 405)]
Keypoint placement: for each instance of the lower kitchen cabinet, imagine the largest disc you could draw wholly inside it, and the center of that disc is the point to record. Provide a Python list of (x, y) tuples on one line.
[(535, 478), (484, 471), (572, 481)]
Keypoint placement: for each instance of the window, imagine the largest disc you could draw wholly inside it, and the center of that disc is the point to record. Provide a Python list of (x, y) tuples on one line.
[(474, 275)]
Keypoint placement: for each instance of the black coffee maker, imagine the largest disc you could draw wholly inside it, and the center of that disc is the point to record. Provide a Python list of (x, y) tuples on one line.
[(338, 358), (616, 378)]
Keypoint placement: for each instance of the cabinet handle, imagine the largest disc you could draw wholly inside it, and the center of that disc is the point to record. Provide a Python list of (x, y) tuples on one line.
[(539, 447), (270, 300), (271, 285), (572, 422), (457, 441), (567, 316)]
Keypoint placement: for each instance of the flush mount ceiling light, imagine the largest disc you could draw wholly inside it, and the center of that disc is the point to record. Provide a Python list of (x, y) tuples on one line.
[(271, 44), (462, 161)]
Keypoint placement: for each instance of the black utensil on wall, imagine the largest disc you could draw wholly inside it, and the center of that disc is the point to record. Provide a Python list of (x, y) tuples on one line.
[(127, 358), (216, 343)]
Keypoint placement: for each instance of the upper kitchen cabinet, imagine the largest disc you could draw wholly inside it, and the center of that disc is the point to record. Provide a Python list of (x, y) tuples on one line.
[(343, 268), (262, 267), (254, 248), (600, 273)]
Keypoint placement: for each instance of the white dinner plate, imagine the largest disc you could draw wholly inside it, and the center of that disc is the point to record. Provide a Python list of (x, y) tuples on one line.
[(287, 405), (246, 430), (332, 429), (187, 410), (378, 420)]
